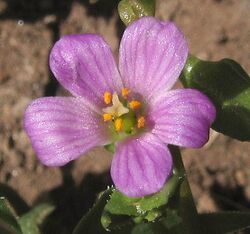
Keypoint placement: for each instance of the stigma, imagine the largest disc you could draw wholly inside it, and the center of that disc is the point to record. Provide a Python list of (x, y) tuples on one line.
[(117, 109)]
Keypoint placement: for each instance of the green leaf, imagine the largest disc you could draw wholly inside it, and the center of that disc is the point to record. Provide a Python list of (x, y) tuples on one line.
[(31, 221), (91, 222), (162, 197), (166, 225), (96, 220), (150, 228), (187, 211), (173, 219), (185, 203), (170, 224), (152, 215), (226, 222), (131, 10), (8, 222), (29, 226), (110, 147), (14, 199), (120, 204), (117, 223), (227, 84)]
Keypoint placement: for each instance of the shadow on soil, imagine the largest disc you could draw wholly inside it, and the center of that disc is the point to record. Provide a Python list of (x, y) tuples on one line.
[(33, 10), (228, 198), (73, 201)]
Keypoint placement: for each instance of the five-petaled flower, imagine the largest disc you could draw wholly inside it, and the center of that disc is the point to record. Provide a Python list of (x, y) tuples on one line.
[(132, 107)]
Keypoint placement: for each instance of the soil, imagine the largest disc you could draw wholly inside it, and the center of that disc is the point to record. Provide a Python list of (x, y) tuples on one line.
[(219, 173)]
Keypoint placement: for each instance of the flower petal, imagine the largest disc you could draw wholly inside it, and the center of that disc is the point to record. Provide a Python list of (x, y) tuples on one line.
[(63, 128), (152, 55), (85, 66), (141, 166), (182, 117)]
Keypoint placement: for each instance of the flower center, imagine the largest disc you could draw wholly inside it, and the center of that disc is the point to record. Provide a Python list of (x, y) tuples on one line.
[(124, 113)]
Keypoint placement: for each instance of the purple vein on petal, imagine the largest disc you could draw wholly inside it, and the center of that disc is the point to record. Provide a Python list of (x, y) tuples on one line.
[(59, 137)]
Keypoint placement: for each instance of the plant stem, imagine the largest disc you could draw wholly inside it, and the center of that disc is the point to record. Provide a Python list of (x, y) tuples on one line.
[(187, 208)]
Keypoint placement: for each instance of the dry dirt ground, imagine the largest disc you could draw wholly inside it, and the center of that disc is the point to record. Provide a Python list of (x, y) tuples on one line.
[(219, 174)]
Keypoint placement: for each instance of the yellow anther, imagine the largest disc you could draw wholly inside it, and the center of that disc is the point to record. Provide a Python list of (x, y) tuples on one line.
[(118, 124), (140, 122), (134, 104), (107, 97), (125, 92), (107, 117)]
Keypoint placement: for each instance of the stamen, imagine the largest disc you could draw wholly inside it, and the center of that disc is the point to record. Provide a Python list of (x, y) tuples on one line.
[(107, 97), (140, 122), (134, 104), (125, 92), (118, 124), (107, 117)]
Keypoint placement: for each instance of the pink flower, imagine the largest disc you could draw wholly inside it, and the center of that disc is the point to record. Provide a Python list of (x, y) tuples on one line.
[(132, 107)]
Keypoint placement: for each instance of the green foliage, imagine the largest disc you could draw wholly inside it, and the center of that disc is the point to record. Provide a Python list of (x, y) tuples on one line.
[(26, 224), (119, 204), (31, 221), (227, 84), (14, 199), (178, 218), (8, 222), (120, 224), (170, 224), (91, 222), (110, 147), (171, 211), (131, 10)]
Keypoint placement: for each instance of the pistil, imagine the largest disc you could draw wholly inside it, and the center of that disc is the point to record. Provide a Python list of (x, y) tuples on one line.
[(124, 115)]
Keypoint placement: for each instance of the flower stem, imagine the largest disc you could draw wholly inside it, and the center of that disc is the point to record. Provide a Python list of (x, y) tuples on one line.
[(186, 204)]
